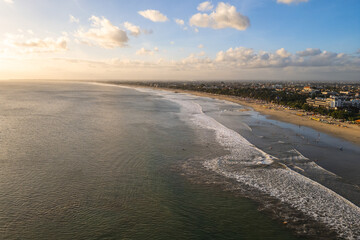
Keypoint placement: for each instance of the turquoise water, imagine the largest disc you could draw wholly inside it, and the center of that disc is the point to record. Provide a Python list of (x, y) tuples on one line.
[(81, 161)]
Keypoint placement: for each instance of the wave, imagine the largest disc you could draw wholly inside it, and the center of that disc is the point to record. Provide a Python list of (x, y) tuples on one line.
[(245, 164), (253, 167)]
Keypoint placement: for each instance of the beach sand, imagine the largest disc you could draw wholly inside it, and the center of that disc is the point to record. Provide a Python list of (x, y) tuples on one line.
[(349, 132)]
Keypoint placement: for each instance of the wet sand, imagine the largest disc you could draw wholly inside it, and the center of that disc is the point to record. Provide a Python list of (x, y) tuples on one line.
[(300, 165), (349, 132)]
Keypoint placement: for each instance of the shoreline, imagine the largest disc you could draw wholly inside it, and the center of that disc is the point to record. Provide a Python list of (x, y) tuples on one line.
[(345, 131), (290, 214)]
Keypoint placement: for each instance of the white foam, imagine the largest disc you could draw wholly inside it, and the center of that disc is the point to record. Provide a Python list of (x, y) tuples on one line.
[(302, 193), (311, 164)]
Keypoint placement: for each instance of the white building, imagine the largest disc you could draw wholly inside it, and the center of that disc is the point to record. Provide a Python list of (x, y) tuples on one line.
[(335, 102)]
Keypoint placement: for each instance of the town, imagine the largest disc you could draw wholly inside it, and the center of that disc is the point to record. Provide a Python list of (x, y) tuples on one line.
[(340, 101)]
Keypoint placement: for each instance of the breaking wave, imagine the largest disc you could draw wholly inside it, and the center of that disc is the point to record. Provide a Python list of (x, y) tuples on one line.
[(255, 168), (252, 167)]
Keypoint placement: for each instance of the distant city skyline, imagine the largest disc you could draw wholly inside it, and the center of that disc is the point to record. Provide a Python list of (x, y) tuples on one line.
[(185, 40)]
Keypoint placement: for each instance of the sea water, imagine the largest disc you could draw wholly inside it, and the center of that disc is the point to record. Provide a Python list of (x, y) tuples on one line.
[(82, 161), (287, 175), (86, 161)]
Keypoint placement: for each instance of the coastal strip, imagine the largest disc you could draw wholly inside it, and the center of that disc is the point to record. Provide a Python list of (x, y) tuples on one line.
[(253, 168), (349, 132)]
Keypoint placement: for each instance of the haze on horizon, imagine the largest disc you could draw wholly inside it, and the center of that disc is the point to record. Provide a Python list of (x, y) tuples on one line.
[(180, 40)]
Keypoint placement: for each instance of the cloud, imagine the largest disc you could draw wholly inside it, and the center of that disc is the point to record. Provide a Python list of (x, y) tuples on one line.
[(201, 54), (283, 53), (103, 33), (36, 45), (309, 52), (147, 52), (9, 1), (234, 63), (134, 30), (145, 31), (224, 16), (201, 46), (143, 51), (115, 63), (153, 15), (291, 1), (195, 61), (73, 19), (179, 22), (248, 58), (205, 6)]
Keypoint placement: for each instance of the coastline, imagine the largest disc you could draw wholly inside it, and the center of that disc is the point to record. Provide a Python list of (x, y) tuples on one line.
[(292, 213), (349, 132)]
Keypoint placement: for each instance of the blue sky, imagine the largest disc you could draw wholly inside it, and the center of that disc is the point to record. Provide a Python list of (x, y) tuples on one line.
[(235, 39)]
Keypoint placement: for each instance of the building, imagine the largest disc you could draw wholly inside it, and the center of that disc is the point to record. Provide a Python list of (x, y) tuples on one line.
[(355, 103), (329, 93), (333, 102), (348, 93), (310, 90), (318, 102)]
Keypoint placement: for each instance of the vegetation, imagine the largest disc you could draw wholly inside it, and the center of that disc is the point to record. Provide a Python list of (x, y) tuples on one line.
[(293, 98), (289, 99)]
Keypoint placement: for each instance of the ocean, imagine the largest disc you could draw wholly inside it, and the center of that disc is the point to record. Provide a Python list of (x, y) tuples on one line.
[(96, 161)]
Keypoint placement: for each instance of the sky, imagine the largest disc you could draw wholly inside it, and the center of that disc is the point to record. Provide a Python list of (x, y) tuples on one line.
[(180, 40)]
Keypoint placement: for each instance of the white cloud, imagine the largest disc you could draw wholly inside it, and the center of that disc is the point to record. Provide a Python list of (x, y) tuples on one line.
[(172, 42), (283, 53), (309, 52), (9, 1), (224, 16), (36, 45), (291, 1), (153, 15), (146, 52), (179, 22), (194, 61), (134, 30), (29, 31), (248, 58), (234, 63), (201, 46), (73, 19), (103, 33), (205, 6)]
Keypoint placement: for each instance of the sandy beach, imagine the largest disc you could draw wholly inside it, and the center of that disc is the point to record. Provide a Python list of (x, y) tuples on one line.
[(349, 132)]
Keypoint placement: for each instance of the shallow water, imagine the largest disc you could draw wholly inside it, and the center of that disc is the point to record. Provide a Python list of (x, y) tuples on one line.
[(81, 161), (283, 173), (293, 144)]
